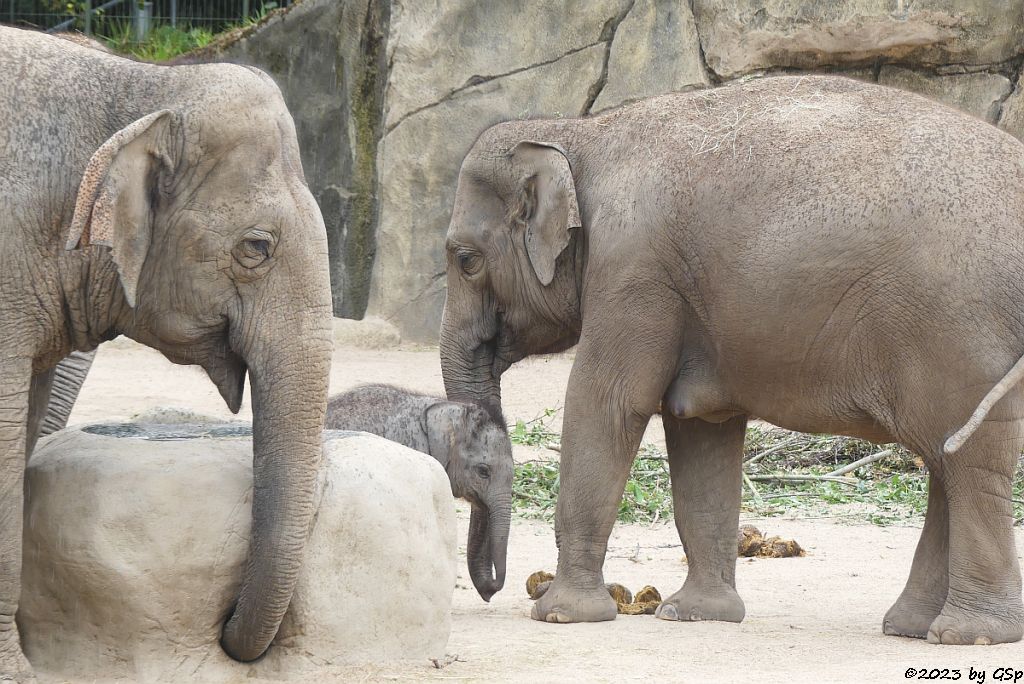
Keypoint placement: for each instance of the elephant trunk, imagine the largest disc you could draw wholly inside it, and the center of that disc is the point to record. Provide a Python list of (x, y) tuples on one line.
[(468, 368), (288, 377), (487, 545)]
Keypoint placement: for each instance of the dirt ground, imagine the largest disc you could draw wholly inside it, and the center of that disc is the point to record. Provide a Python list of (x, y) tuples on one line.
[(812, 619)]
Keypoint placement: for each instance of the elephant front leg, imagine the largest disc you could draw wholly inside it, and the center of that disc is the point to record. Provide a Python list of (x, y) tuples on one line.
[(925, 593), (38, 400), (704, 462), (602, 432), (15, 380)]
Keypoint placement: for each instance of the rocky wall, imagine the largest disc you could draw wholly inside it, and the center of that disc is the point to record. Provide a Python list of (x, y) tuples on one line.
[(389, 95)]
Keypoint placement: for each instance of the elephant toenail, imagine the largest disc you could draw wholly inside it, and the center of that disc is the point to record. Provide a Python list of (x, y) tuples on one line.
[(950, 636), (667, 612), (982, 641)]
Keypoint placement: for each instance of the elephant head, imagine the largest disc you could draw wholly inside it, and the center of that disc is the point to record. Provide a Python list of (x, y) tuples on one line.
[(476, 453), (514, 261), (216, 254)]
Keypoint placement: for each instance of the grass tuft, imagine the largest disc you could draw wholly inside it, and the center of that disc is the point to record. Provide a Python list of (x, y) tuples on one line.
[(163, 43)]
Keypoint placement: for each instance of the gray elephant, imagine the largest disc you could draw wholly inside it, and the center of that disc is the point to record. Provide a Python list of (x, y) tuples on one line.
[(829, 255), (473, 447), (166, 204)]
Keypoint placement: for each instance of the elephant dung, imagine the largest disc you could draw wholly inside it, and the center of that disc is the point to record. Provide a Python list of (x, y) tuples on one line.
[(645, 602), (136, 538), (536, 581), (751, 543), (620, 594)]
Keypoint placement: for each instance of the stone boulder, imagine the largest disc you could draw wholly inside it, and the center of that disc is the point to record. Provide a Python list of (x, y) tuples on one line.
[(369, 333), (980, 94), (740, 36), (136, 536), (655, 50)]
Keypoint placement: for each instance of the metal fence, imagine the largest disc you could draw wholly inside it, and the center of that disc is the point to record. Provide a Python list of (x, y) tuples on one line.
[(104, 18)]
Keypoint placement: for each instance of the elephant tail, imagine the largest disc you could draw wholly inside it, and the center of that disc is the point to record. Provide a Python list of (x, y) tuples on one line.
[(1008, 381)]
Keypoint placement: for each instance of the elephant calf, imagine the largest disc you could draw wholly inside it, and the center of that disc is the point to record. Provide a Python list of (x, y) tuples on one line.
[(473, 447)]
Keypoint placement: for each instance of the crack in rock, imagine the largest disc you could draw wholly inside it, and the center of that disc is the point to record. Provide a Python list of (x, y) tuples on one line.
[(713, 78), (476, 80), (607, 37)]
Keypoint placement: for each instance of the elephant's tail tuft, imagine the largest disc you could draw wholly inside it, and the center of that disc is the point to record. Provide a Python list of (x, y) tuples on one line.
[(1008, 381)]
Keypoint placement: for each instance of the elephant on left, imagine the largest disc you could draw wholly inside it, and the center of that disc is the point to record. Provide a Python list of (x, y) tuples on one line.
[(167, 204)]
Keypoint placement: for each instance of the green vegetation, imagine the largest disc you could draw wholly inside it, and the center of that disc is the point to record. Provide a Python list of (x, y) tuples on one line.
[(891, 490), (163, 43)]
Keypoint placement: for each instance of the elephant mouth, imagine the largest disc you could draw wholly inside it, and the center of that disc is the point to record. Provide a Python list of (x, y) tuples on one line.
[(227, 370), (500, 349)]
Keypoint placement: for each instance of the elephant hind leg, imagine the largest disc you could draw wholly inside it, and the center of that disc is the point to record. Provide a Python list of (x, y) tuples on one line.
[(983, 603), (925, 592)]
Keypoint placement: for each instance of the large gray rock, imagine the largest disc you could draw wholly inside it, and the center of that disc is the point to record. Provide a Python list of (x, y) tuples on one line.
[(368, 333), (979, 94), (1011, 118), (419, 164), (135, 545), (439, 48), (655, 50), (741, 36)]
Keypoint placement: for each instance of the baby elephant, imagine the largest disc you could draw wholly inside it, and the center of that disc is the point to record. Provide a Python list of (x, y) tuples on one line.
[(473, 448)]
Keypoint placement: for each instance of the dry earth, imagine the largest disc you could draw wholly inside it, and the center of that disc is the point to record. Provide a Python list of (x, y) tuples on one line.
[(810, 619)]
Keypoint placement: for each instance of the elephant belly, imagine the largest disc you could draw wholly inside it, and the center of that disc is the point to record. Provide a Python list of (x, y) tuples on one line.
[(696, 393)]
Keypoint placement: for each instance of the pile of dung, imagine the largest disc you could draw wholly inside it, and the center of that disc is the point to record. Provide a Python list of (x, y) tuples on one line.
[(751, 544), (537, 584), (621, 594), (644, 603)]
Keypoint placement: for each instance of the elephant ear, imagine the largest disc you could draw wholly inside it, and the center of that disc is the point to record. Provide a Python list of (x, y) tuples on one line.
[(547, 203), (442, 421), (114, 206)]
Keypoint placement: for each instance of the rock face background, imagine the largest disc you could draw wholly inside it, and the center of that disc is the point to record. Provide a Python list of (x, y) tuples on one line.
[(133, 543), (388, 95)]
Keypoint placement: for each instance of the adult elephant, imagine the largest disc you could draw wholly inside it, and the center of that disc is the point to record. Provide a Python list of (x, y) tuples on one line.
[(829, 255), (168, 205)]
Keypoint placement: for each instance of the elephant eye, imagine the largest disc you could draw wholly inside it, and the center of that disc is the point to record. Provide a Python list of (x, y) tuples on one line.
[(470, 262), (255, 247), (258, 247), (483, 471)]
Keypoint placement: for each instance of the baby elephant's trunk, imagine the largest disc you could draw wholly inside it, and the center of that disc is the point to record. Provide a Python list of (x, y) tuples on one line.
[(487, 544)]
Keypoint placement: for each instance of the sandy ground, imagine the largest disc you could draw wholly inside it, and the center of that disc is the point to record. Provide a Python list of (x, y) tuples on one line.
[(810, 619)]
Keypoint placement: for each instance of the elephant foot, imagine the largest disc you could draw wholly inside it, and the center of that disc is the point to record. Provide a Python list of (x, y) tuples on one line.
[(910, 617), (964, 628), (691, 604), (562, 603)]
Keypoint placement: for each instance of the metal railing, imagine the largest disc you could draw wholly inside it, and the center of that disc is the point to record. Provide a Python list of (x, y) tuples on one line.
[(95, 16)]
